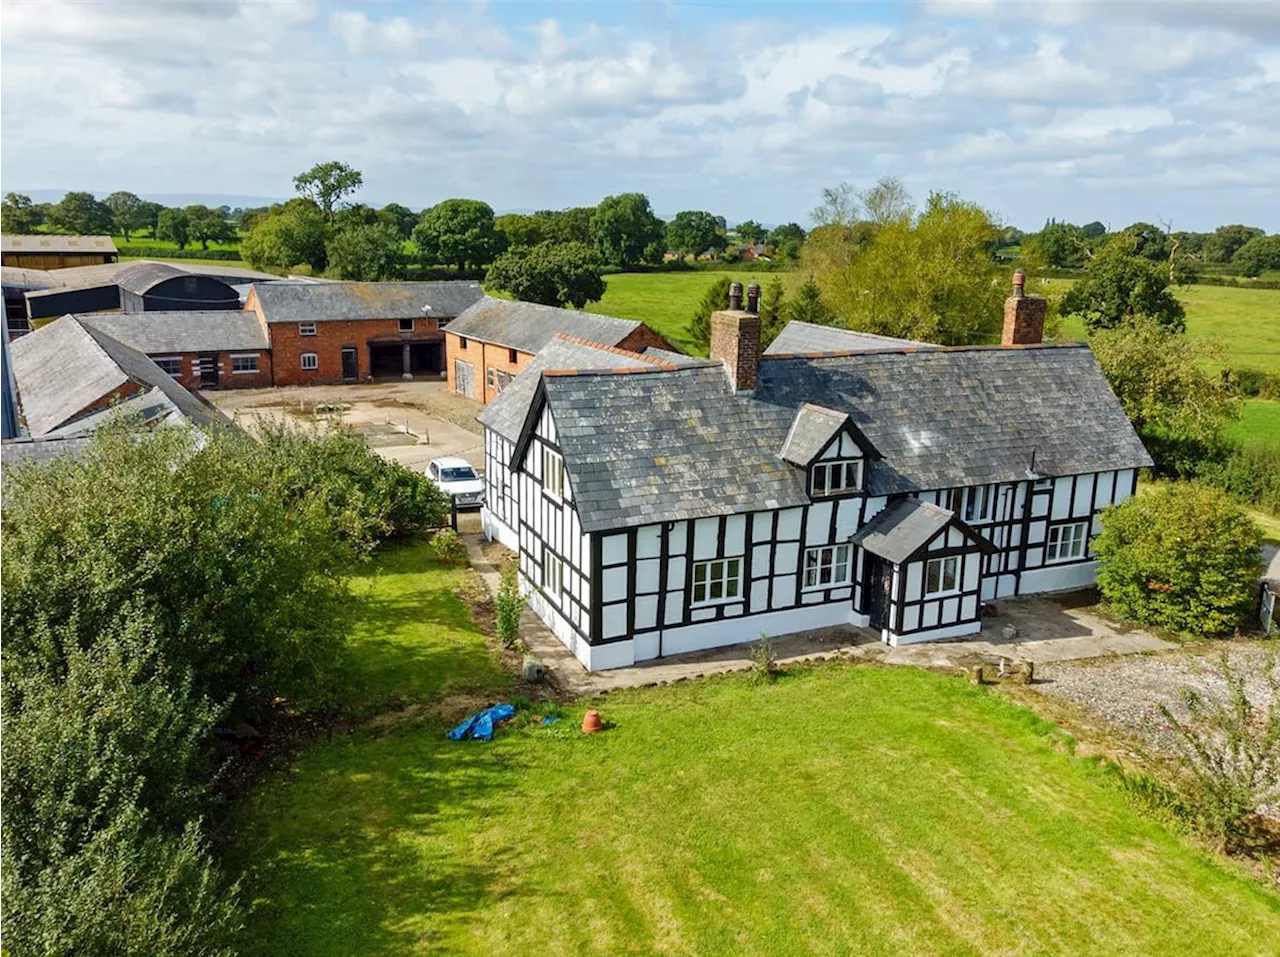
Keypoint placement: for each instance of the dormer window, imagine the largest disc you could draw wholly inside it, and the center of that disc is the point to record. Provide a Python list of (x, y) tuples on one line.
[(832, 478)]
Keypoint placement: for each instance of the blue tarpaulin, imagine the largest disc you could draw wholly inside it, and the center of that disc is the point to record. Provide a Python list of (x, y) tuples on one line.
[(480, 725)]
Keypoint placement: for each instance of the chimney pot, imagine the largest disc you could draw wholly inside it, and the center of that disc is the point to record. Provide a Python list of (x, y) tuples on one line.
[(753, 298), (1019, 282), (735, 295)]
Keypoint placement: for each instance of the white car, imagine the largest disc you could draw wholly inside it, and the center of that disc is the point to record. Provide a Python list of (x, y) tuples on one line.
[(457, 478)]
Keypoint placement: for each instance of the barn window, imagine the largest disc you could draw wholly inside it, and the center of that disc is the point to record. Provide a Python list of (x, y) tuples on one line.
[(462, 343), (1065, 542), (942, 576), (512, 356), (406, 325), (306, 328), (310, 362), (717, 581), (827, 567), (831, 478), (552, 473), (172, 365), (244, 362)]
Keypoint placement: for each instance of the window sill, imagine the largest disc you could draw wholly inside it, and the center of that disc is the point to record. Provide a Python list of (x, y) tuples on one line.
[(826, 587), (715, 602), (930, 596), (1066, 559)]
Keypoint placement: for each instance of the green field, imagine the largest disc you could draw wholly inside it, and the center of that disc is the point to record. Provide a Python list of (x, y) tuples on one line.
[(843, 809), (140, 240), (1259, 424)]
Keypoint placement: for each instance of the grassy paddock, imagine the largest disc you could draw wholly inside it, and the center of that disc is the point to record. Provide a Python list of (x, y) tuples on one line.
[(841, 810), (1259, 424)]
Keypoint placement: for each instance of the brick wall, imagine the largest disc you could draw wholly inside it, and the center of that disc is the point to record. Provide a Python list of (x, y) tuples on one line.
[(227, 379), (332, 336), (1023, 320), (735, 341), (482, 356), (643, 336)]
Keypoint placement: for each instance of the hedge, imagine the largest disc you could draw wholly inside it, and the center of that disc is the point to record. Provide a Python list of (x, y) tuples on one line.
[(153, 252)]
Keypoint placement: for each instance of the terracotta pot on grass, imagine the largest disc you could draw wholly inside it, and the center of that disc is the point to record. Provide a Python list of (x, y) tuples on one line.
[(591, 723)]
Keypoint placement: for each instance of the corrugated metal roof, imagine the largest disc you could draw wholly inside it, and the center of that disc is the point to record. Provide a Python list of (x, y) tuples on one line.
[(800, 338), (108, 274), (320, 302), (52, 243), (141, 277), (528, 326), (157, 333)]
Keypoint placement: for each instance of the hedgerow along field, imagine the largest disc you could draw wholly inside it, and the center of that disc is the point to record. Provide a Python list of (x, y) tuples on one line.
[(844, 809)]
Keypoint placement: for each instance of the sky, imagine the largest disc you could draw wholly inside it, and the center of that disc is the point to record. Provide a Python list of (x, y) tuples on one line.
[(1161, 111)]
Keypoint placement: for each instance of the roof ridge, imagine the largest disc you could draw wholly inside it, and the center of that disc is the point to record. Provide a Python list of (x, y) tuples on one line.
[(615, 350), (911, 350)]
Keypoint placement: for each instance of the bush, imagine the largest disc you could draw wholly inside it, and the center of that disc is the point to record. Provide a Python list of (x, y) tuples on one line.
[(1182, 557), (448, 547), (158, 252), (1257, 384), (764, 661), (1251, 474), (510, 605)]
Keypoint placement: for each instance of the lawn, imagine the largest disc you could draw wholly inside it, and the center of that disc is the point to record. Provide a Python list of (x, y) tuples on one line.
[(1258, 425), (844, 809), (138, 239)]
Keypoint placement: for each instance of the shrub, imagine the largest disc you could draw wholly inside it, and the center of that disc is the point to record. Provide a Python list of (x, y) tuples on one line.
[(510, 604), (1183, 557), (764, 661), (448, 547), (1257, 384), (158, 252), (1229, 751), (1251, 474)]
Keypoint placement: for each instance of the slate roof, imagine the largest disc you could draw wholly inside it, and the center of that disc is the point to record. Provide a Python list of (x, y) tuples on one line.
[(801, 338), (18, 277), (675, 358), (681, 444), (506, 414), (527, 326), (338, 301), (41, 450), (811, 430), (902, 529), (51, 243), (161, 333)]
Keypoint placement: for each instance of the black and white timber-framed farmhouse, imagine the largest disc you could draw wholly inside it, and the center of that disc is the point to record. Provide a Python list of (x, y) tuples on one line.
[(662, 504)]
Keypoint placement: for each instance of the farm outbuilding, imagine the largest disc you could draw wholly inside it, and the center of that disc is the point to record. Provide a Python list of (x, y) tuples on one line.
[(134, 287), (44, 251)]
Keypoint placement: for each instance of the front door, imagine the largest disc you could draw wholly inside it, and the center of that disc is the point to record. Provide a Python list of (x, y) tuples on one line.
[(349, 369), (208, 368), (877, 587)]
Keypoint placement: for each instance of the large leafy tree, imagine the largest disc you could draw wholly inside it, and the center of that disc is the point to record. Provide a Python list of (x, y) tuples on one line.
[(1222, 243), (18, 215), (787, 232), (402, 218), (554, 274), (1258, 254), (81, 215), (572, 225), (128, 212), (458, 232), (149, 216), (173, 225), (625, 229), (1119, 286), (888, 201), (205, 226), (292, 233), (522, 230), (1061, 245), (326, 184), (366, 253), (693, 231), (749, 231), (1148, 241)]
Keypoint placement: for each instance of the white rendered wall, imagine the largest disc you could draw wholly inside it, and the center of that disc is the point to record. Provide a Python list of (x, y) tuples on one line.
[(933, 634), (496, 529), (1059, 578)]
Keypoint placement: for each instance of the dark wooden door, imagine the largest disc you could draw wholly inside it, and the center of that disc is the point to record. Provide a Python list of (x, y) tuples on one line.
[(877, 587), (349, 367), (208, 369)]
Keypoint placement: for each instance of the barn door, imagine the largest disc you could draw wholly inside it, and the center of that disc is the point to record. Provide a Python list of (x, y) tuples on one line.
[(349, 367), (464, 378), (208, 368)]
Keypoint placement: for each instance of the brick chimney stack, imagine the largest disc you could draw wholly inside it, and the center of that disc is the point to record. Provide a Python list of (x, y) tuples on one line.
[(735, 339), (1023, 315)]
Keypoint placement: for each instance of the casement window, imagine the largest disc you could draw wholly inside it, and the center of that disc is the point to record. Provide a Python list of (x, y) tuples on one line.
[(406, 325), (942, 576), (1066, 542), (552, 575), (552, 473), (246, 362), (951, 499), (828, 566), (512, 356), (171, 365), (310, 362), (831, 478), (979, 503), (306, 329), (717, 581)]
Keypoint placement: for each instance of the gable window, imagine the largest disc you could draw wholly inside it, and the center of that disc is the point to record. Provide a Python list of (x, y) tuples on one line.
[(170, 364), (552, 473), (406, 325), (1066, 542), (717, 581), (306, 328), (942, 576), (552, 575), (827, 567), (830, 478), (979, 503), (310, 362), (246, 362)]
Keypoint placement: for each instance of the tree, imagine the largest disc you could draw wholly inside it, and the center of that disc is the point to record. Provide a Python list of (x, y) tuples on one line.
[(1258, 255), (1221, 245), (205, 225), (18, 215), (128, 212), (402, 218), (1158, 376), (458, 232), (1061, 245), (354, 214), (693, 232), (1149, 242), (931, 279), (787, 232), (887, 201), (572, 225), (81, 215), (173, 225), (807, 306), (1093, 230), (713, 300), (773, 312), (554, 274), (1183, 557), (326, 184), (624, 228), (839, 206), (1118, 286), (521, 230), (750, 232), (365, 253), (149, 216), (293, 233)]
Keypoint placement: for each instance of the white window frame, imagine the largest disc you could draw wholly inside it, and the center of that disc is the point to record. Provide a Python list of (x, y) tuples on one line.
[(401, 326), (839, 468), (158, 360), (552, 575), (306, 328), (244, 355), (835, 560), (942, 563), (985, 495), (1066, 543), (553, 473), (315, 362), (724, 572)]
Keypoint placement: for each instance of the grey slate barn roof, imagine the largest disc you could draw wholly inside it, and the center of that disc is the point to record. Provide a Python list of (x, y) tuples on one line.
[(50, 243), (527, 326), (681, 444), (675, 358), (67, 367), (906, 526), (811, 430), (158, 333), (325, 301), (800, 338)]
